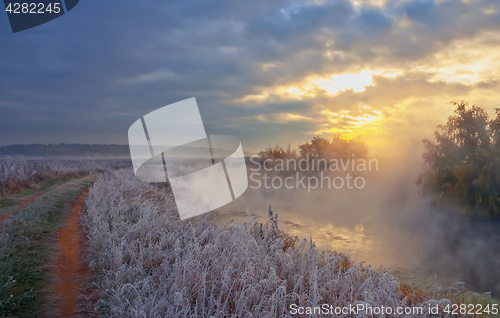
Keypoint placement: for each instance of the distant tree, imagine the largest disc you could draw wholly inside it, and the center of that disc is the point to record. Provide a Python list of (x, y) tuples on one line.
[(278, 152), (320, 148), (462, 162), (338, 147)]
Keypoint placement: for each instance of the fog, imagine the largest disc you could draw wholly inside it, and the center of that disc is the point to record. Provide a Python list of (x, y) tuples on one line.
[(386, 223)]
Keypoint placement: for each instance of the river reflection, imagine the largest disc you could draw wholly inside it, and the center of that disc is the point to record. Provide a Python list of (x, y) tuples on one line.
[(387, 223), (359, 243)]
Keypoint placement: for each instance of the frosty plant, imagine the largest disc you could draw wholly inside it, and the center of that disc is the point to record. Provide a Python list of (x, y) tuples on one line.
[(145, 262), (170, 144)]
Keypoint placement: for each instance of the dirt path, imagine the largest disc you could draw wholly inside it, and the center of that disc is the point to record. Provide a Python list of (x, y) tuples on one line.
[(20, 204), (68, 266), (28, 200), (15, 202), (6, 213)]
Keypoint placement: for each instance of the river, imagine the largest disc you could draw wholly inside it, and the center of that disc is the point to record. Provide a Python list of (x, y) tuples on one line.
[(385, 223)]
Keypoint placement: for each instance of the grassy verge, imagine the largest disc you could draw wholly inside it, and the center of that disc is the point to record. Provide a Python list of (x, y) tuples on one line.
[(26, 249), (418, 287), (11, 199)]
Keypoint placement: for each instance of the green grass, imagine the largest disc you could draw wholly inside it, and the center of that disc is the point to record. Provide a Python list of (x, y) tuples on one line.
[(12, 198), (27, 250)]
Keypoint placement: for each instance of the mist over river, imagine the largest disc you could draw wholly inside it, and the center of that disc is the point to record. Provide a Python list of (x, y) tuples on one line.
[(386, 223)]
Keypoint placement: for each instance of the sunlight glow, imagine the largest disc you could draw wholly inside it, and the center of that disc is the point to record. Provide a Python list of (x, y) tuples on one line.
[(466, 62), (358, 123), (337, 83), (313, 86)]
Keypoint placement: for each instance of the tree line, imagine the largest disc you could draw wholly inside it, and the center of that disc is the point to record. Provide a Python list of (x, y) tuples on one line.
[(340, 147)]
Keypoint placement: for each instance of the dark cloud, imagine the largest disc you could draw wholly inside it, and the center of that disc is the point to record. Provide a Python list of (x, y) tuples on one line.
[(88, 75)]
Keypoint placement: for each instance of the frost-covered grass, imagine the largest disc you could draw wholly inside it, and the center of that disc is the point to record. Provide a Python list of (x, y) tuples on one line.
[(16, 174), (146, 262)]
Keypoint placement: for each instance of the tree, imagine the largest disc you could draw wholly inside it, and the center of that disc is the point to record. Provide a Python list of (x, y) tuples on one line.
[(278, 152), (340, 147), (462, 162)]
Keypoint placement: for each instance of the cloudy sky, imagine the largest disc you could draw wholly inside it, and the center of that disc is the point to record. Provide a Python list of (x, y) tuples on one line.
[(265, 71)]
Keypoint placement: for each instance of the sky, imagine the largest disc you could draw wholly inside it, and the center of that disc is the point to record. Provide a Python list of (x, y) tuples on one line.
[(268, 72)]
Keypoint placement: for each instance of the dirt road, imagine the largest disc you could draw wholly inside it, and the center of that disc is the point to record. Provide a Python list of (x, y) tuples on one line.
[(68, 266)]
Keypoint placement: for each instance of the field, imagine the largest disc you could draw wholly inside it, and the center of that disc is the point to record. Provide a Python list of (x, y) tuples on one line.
[(138, 259)]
